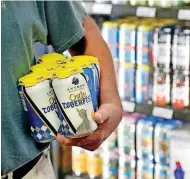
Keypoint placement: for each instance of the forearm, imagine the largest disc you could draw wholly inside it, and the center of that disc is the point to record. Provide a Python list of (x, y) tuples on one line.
[(94, 45)]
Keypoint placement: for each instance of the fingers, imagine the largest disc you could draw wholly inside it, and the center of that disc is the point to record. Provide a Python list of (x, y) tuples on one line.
[(91, 142), (102, 114)]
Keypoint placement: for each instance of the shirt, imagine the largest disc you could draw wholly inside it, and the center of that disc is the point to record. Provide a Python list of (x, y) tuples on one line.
[(58, 23)]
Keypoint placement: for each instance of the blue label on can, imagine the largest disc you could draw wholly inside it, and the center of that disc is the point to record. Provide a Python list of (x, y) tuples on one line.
[(111, 36), (143, 86), (41, 129), (127, 52), (144, 56), (126, 83), (92, 80)]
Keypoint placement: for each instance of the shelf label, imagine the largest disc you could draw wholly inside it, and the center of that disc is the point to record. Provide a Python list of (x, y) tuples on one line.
[(98, 8), (162, 112), (87, 6), (128, 106), (146, 11), (184, 14)]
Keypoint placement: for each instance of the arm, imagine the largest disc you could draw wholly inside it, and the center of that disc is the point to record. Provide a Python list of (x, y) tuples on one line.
[(110, 112)]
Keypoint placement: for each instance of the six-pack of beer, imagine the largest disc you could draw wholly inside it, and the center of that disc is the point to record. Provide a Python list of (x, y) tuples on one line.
[(60, 96)]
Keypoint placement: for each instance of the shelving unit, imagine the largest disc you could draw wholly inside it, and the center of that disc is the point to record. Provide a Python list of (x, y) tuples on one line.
[(165, 112), (121, 10)]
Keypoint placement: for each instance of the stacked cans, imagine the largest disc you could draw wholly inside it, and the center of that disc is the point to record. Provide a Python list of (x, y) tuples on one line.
[(133, 37), (162, 147), (126, 144), (61, 96), (171, 47), (144, 146), (181, 66), (110, 157)]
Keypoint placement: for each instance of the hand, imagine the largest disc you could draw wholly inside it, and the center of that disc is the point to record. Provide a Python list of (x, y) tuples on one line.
[(108, 117)]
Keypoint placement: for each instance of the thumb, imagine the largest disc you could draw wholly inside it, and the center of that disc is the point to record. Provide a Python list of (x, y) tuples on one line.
[(102, 114)]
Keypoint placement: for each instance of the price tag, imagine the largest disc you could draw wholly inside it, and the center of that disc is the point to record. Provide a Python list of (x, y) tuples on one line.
[(184, 14), (162, 112), (146, 11), (128, 106), (102, 9)]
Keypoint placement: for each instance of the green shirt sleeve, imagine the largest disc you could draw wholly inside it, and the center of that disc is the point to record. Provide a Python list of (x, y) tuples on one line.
[(64, 23)]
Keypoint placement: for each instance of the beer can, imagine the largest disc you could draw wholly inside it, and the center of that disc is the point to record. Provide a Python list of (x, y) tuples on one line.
[(162, 140), (145, 137), (144, 44), (94, 164), (162, 43), (127, 167), (181, 49), (126, 134), (75, 102), (162, 172), (145, 169), (144, 84), (110, 165), (126, 82), (161, 87), (110, 33), (79, 161), (127, 42), (91, 70), (180, 89), (41, 107)]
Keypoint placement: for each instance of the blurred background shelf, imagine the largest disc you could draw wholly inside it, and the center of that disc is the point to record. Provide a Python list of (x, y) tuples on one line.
[(165, 112), (122, 10)]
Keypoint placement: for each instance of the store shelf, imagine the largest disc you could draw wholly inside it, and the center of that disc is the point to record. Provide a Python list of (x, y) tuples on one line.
[(120, 10), (165, 112)]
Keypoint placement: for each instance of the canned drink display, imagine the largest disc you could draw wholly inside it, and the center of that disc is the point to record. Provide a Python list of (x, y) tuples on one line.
[(126, 134), (126, 82), (144, 84), (110, 34), (161, 87), (162, 140), (75, 102), (161, 172), (145, 137), (181, 49), (144, 45), (145, 169), (180, 89), (79, 161), (40, 104), (94, 164), (110, 165), (127, 43), (162, 46), (127, 167)]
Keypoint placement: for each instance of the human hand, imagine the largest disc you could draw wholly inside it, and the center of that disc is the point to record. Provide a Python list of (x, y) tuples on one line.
[(108, 117)]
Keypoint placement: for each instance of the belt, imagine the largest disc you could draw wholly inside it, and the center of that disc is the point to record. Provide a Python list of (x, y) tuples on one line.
[(22, 171)]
